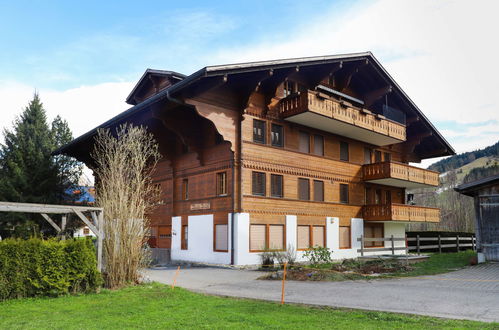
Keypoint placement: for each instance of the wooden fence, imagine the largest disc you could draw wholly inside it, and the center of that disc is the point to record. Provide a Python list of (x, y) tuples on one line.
[(456, 242)]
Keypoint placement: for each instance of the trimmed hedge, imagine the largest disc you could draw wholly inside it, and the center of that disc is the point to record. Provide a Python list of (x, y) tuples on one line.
[(36, 267)]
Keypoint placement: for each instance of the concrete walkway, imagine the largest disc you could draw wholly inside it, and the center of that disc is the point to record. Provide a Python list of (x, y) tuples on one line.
[(471, 293)]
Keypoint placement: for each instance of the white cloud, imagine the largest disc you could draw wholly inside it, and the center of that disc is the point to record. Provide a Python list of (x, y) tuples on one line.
[(84, 107)]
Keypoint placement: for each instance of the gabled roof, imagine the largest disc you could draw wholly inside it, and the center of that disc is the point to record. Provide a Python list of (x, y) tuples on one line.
[(241, 68), (175, 76), (470, 188)]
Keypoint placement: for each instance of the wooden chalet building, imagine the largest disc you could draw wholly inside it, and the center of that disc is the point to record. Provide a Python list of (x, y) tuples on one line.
[(275, 154)]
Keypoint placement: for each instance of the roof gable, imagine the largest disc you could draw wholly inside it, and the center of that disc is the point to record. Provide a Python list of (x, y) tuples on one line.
[(152, 82)]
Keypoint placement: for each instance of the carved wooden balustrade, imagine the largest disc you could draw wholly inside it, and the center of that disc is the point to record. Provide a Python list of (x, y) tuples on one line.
[(342, 111), (400, 212), (400, 171)]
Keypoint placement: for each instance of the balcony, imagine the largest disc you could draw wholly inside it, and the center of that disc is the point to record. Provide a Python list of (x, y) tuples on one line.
[(317, 110), (399, 175), (400, 212)]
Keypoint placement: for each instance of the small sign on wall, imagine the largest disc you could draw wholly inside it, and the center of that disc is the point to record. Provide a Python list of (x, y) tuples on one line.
[(200, 206)]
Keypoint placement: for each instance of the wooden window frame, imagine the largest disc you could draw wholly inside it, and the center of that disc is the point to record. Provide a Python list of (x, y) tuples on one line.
[(264, 184), (347, 201), (349, 238), (272, 186), (343, 143), (310, 236), (184, 242), (323, 145), (185, 189), (281, 145), (221, 188), (308, 193), (264, 131), (322, 197), (215, 237), (267, 236)]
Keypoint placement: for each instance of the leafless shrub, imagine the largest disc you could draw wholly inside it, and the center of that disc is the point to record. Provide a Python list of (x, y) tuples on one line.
[(124, 188)]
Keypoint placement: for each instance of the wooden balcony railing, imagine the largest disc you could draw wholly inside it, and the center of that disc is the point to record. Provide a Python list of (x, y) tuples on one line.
[(400, 212), (400, 171), (341, 111)]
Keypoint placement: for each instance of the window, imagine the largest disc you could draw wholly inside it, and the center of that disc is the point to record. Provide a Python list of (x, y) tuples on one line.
[(276, 237), (344, 151), (290, 87), (184, 240), (303, 189), (377, 156), (368, 196), (277, 135), (266, 237), (258, 183), (221, 183), (388, 156), (318, 235), (367, 155), (257, 237), (86, 231), (303, 237), (185, 189), (345, 242), (304, 142), (388, 197), (319, 145), (373, 230), (343, 193), (318, 191), (276, 185), (377, 196), (258, 131), (221, 238)]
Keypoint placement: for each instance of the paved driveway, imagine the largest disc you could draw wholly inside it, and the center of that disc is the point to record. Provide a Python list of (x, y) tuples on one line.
[(471, 293)]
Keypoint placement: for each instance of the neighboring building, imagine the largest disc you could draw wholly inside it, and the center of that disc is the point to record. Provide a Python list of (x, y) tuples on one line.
[(84, 195), (486, 195), (83, 232), (296, 152)]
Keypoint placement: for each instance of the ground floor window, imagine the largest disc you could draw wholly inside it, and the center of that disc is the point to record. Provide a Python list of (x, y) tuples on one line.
[(263, 237), (221, 238), (185, 235), (374, 230), (345, 237), (310, 236)]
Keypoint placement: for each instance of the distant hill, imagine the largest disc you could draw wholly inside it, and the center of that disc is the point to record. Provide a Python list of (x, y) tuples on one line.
[(457, 161)]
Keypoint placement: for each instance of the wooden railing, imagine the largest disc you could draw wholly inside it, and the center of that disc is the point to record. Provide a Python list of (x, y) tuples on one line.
[(342, 111), (400, 171), (400, 212)]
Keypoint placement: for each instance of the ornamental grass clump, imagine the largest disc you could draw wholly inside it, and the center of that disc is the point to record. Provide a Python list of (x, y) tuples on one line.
[(125, 162)]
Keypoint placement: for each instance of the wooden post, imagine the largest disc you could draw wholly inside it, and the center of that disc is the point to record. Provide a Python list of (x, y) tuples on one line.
[(100, 239), (361, 245), (63, 227), (439, 244), (473, 246), (417, 243), (393, 246), (406, 248), (175, 277), (457, 243), (283, 281)]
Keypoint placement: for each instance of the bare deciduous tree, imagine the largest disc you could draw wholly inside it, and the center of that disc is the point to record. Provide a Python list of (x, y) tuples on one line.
[(124, 188)]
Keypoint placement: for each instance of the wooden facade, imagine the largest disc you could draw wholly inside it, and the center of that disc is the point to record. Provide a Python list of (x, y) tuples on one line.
[(338, 126)]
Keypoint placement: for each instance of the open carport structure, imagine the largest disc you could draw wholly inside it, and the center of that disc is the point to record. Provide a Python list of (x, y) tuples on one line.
[(95, 223)]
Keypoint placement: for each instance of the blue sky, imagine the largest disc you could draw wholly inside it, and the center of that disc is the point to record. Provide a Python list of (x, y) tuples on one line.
[(85, 57)]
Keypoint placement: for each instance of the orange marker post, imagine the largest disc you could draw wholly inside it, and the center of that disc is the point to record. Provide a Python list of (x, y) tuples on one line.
[(283, 281), (175, 277)]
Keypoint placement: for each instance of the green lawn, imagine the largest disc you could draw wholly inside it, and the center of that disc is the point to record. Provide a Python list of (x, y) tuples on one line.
[(157, 306), (439, 263)]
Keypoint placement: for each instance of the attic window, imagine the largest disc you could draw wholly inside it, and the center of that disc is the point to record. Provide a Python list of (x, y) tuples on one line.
[(290, 87)]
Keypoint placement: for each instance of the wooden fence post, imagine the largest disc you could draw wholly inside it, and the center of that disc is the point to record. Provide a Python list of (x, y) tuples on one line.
[(473, 244), (361, 245), (417, 243), (457, 243), (393, 246), (439, 244)]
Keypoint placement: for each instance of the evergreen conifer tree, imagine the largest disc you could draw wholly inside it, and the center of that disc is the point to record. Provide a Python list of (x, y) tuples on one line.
[(28, 171)]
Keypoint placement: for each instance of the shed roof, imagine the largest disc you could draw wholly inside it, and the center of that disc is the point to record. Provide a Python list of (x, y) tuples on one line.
[(469, 189)]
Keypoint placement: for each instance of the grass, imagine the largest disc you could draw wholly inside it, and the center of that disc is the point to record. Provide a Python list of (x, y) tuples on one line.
[(436, 264), (157, 306)]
